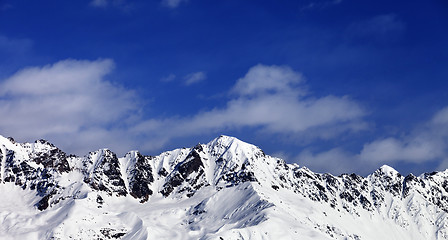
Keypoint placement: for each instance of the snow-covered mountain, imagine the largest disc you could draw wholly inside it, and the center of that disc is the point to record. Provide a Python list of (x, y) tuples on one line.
[(225, 189)]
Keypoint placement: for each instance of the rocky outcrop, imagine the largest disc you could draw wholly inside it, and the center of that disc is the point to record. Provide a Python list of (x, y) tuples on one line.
[(140, 176), (188, 176), (103, 173), (224, 162)]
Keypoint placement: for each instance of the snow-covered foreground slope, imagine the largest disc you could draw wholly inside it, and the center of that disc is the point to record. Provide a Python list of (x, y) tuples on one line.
[(226, 189)]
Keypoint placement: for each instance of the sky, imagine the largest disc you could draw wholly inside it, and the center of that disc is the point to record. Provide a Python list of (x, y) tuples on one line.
[(338, 86)]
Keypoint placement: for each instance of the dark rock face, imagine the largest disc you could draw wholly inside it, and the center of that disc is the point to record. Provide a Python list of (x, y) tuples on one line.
[(235, 178), (110, 233), (184, 175), (18, 172), (351, 189), (433, 187), (188, 173), (106, 175), (54, 158), (163, 172), (192, 164), (392, 183), (410, 182), (140, 177), (370, 192), (40, 179), (43, 203)]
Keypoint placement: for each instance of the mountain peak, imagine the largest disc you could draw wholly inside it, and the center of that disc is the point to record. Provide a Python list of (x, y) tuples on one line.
[(388, 170), (226, 184), (224, 140), (232, 144), (6, 140)]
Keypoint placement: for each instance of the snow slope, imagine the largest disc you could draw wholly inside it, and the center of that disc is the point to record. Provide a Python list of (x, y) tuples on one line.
[(225, 189)]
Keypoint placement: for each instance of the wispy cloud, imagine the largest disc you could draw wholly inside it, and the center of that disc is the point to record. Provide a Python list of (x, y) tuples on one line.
[(268, 98), (168, 78), (263, 79), (336, 161), (172, 3), (426, 143), (13, 45), (193, 78), (72, 104), (120, 4), (6, 6), (99, 3), (69, 102), (320, 4), (381, 28)]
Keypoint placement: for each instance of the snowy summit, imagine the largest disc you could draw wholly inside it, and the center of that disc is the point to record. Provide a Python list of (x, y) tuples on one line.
[(225, 189)]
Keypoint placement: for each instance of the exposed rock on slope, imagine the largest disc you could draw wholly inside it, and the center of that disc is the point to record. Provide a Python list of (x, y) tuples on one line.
[(225, 189)]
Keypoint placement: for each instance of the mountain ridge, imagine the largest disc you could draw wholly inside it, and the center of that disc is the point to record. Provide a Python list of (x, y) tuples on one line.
[(253, 189)]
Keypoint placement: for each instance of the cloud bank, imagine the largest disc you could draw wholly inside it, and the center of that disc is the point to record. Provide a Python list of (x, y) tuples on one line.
[(270, 99), (425, 143), (73, 104), (69, 102)]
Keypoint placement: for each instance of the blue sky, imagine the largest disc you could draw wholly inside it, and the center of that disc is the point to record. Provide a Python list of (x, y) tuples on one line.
[(337, 85)]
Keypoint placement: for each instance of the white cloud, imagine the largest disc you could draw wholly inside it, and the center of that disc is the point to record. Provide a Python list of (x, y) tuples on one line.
[(64, 77), (65, 101), (275, 104), (172, 3), (168, 78), (426, 143), (72, 104), (262, 79), (335, 161), (416, 149), (193, 78), (441, 117)]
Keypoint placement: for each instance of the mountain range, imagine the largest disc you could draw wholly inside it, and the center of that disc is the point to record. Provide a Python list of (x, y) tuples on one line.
[(225, 189)]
